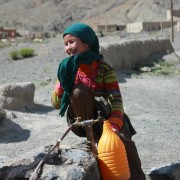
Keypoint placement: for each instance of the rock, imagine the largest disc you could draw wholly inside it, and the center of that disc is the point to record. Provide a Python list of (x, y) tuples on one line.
[(18, 95), (2, 115), (168, 172), (48, 79), (51, 175), (84, 166), (3, 159), (145, 69), (11, 115), (172, 58)]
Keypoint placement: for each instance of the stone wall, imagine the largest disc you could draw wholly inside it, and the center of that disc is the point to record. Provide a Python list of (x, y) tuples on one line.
[(126, 54), (18, 95)]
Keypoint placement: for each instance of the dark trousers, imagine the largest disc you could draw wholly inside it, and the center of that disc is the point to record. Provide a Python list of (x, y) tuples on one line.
[(82, 104)]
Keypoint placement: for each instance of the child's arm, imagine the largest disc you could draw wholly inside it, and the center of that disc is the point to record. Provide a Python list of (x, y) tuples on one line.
[(115, 99)]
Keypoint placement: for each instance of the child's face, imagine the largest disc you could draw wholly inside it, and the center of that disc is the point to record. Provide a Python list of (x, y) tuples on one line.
[(73, 45)]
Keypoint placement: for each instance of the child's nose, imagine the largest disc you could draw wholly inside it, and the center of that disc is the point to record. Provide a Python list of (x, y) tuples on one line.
[(69, 46)]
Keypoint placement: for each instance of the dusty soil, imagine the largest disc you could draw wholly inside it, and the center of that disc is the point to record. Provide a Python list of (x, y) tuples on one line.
[(151, 101)]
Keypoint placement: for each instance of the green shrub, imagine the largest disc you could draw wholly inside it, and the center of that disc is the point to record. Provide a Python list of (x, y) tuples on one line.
[(163, 68), (4, 44), (14, 55), (26, 52), (165, 64)]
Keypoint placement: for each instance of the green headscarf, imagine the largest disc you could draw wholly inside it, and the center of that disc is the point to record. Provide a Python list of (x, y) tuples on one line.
[(68, 67)]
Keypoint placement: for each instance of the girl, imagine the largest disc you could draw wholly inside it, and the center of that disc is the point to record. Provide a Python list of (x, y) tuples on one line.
[(86, 84)]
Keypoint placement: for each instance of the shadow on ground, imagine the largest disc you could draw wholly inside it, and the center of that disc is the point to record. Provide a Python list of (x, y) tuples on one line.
[(122, 75), (35, 108), (39, 109), (11, 132)]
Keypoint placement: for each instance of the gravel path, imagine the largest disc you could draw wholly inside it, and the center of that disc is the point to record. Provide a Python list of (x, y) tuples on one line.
[(153, 106), (152, 103)]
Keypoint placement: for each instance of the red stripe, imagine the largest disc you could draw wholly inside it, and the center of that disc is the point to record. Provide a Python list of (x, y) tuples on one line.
[(113, 85)]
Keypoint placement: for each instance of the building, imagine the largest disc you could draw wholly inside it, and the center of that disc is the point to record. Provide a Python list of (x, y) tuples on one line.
[(178, 26), (148, 26), (176, 15), (7, 33), (110, 27)]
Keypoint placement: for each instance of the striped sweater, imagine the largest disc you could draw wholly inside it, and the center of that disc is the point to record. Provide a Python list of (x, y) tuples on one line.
[(101, 77)]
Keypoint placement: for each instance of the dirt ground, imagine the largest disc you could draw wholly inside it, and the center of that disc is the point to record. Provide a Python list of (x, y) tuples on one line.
[(151, 101)]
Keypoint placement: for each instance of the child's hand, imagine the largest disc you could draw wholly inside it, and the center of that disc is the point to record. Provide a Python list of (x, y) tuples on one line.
[(116, 123), (59, 89), (114, 127)]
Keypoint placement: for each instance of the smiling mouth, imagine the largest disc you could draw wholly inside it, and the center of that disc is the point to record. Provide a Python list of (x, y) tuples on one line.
[(72, 52)]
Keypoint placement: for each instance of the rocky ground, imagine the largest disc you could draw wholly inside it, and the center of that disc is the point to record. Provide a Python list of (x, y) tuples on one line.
[(151, 101)]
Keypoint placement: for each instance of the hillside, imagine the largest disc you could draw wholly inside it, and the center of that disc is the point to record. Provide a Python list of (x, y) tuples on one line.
[(55, 15)]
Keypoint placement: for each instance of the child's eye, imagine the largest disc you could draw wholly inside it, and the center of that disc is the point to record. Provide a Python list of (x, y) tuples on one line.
[(72, 41)]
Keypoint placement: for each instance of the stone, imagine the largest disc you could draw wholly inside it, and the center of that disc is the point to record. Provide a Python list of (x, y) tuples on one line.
[(83, 166), (16, 96), (11, 115), (2, 115), (168, 172), (145, 69)]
